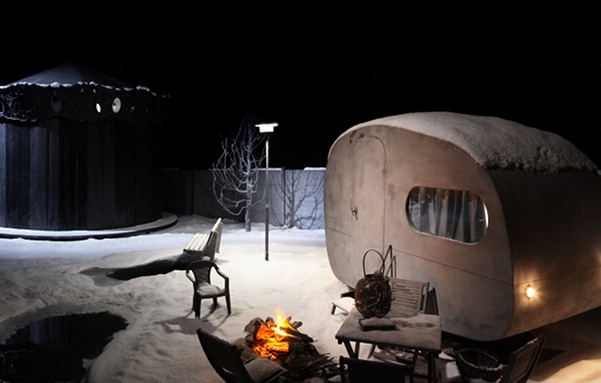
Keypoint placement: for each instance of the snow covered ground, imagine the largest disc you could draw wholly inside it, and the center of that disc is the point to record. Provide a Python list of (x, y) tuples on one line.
[(42, 278)]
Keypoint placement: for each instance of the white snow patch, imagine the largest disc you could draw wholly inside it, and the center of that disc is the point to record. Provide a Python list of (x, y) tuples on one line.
[(42, 278)]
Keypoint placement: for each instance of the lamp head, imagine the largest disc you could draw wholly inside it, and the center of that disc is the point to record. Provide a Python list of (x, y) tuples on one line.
[(267, 127)]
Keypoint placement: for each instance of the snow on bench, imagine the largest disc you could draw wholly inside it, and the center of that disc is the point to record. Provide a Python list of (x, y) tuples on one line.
[(206, 245), (197, 243)]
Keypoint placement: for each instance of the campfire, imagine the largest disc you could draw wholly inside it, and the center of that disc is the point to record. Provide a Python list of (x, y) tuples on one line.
[(280, 341), (275, 339)]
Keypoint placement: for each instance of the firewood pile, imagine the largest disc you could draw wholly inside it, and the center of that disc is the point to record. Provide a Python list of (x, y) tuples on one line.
[(280, 341)]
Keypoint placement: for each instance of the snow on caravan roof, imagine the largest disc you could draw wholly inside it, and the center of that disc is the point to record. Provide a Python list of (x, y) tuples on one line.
[(494, 143)]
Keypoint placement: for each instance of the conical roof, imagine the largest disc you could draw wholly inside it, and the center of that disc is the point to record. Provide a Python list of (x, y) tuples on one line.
[(77, 92), (70, 74)]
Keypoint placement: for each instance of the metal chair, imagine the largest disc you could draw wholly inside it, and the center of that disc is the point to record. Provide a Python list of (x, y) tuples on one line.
[(201, 280), (225, 359), (368, 371), (522, 361)]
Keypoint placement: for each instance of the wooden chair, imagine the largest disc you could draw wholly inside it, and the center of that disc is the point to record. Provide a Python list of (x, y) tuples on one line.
[(199, 273), (225, 359), (408, 298), (368, 371), (522, 361), (206, 245)]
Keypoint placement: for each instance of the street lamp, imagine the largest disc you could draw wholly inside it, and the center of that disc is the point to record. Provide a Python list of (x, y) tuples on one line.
[(267, 128)]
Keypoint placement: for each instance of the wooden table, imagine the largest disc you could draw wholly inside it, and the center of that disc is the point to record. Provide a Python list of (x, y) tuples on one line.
[(421, 332)]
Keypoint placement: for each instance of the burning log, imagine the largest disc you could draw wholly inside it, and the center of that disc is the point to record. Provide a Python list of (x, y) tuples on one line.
[(275, 339), (280, 341), (297, 335)]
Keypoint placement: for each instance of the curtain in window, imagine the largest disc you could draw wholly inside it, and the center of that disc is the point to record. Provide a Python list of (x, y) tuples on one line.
[(453, 214)]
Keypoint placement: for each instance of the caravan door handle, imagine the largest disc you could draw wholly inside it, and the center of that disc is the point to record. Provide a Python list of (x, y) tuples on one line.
[(354, 212)]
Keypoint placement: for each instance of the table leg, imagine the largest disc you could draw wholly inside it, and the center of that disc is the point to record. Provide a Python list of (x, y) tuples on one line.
[(349, 349), (431, 359)]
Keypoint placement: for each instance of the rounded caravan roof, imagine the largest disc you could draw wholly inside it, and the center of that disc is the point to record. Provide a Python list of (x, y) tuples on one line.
[(77, 92), (494, 143)]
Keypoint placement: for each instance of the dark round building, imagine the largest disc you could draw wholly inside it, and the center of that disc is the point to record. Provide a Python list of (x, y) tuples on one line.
[(78, 151)]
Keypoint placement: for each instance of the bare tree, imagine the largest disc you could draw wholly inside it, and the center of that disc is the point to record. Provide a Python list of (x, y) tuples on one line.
[(236, 172), (302, 194)]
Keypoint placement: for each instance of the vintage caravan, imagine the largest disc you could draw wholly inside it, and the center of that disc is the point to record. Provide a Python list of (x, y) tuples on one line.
[(503, 220)]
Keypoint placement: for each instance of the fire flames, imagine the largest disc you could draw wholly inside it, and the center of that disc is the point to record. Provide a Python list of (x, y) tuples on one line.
[(280, 341), (275, 339)]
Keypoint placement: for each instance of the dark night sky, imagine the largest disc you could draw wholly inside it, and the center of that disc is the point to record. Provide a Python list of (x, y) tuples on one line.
[(318, 70)]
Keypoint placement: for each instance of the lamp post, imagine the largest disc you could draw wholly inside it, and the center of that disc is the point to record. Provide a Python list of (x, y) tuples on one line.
[(267, 128)]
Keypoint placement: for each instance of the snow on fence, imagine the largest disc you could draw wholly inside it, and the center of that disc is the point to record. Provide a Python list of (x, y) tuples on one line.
[(296, 196)]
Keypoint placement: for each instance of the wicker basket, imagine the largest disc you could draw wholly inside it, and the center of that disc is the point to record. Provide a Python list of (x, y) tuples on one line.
[(373, 294), (476, 363)]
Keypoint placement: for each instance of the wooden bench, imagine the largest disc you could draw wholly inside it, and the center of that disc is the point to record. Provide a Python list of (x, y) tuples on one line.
[(198, 243), (203, 245)]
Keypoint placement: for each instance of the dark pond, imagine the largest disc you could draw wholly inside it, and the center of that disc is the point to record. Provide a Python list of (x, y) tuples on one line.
[(53, 349)]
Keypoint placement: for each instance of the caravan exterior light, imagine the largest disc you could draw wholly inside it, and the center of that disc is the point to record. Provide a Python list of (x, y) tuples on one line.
[(266, 128), (530, 292)]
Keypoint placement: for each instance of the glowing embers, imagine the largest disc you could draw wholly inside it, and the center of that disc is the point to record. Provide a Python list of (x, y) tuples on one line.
[(530, 292), (270, 337), (275, 339), (280, 341)]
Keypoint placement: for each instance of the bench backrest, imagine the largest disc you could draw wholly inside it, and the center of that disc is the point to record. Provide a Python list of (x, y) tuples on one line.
[(216, 233)]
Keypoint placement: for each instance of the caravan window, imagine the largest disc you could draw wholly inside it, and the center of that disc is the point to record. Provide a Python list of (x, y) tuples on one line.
[(453, 214)]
